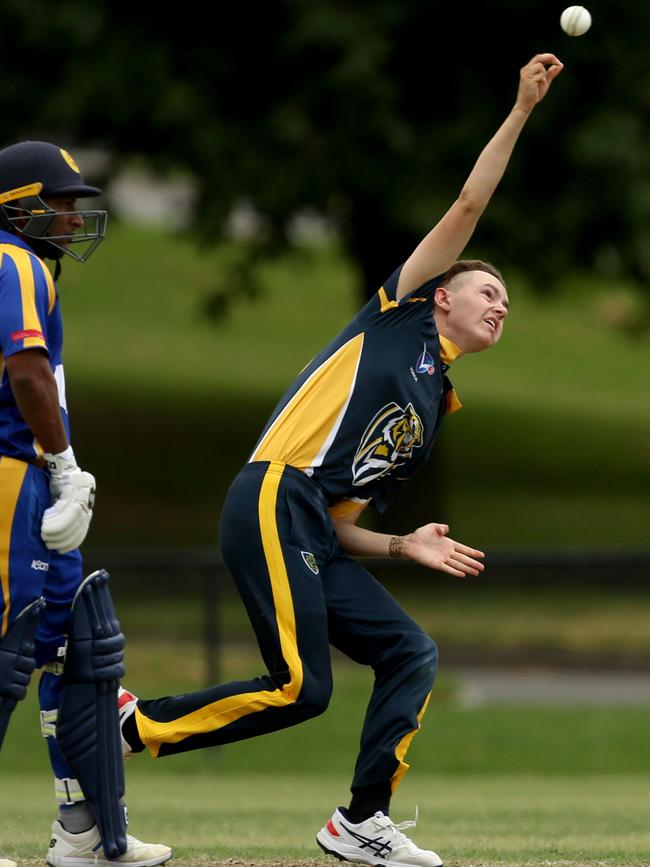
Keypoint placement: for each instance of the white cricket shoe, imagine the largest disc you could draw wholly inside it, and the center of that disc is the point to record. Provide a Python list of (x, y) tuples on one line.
[(126, 704), (5, 862), (374, 841), (85, 850)]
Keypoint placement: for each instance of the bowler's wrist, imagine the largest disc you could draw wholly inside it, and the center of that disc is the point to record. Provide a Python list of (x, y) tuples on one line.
[(398, 547), (522, 112)]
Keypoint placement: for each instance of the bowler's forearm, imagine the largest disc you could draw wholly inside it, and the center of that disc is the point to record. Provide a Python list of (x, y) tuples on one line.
[(359, 542), (493, 160)]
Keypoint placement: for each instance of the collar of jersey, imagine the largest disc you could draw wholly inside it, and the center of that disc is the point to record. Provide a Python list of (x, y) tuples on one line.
[(448, 350), (10, 238)]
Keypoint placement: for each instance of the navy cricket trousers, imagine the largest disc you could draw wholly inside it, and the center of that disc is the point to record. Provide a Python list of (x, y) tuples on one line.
[(302, 593)]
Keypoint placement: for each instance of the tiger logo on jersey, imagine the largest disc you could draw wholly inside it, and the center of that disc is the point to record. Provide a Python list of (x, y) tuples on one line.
[(388, 442)]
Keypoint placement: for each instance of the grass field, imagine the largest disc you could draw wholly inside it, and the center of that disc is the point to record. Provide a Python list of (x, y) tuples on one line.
[(550, 450), (494, 785), (258, 819)]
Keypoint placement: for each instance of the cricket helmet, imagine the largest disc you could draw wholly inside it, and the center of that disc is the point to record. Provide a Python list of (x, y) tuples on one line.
[(30, 173)]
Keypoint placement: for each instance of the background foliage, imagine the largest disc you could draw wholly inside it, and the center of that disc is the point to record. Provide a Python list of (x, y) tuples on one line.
[(370, 115)]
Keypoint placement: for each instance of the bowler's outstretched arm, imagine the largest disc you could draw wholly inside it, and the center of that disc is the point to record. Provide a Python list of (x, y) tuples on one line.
[(449, 237)]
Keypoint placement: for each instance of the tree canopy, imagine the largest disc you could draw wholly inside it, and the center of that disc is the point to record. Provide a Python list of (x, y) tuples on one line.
[(371, 114)]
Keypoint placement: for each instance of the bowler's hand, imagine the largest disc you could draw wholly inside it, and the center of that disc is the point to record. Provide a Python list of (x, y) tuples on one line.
[(535, 78), (430, 546), (65, 524)]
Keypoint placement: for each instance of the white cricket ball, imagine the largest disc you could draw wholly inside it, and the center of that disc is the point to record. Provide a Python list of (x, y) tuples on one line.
[(575, 20)]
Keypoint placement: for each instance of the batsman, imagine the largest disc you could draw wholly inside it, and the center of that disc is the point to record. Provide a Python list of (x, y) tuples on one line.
[(51, 617)]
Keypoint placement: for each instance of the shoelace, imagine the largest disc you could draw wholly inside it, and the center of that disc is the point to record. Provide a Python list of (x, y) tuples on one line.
[(401, 826), (397, 828), (409, 823)]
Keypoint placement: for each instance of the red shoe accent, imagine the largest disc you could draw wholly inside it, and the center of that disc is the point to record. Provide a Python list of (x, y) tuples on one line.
[(124, 697), (332, 829)]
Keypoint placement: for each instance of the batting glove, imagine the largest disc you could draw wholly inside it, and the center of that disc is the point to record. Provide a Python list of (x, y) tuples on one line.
[(66, 522)]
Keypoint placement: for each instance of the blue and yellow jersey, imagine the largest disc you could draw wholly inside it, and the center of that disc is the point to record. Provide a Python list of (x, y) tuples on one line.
[(361, 418), (30, 318)]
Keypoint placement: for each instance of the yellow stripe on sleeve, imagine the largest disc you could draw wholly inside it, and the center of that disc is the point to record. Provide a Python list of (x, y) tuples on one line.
[(227, 710), (51, 290), (31, 322), (12, 475), (385, 304), (347, 507)]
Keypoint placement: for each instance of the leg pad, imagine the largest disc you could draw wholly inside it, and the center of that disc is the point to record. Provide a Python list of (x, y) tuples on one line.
[(87, 728), (17, 661)]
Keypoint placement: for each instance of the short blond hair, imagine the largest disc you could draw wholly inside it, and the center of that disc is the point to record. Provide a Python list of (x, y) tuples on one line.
[(465, 265)]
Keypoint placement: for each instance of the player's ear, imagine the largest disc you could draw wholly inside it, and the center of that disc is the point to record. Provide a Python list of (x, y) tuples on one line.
[(441, 298)]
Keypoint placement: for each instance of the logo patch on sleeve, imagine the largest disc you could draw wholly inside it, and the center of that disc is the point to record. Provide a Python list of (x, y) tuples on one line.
[(310, 561), (23, 335)]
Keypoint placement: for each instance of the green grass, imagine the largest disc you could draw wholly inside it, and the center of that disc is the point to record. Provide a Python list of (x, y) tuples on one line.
[(550, 450), (469, 820), (589, 622), (497, 785), (455, 739), (134, 318)]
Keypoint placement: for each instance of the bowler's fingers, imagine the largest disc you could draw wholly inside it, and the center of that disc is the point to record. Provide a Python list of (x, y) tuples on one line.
[(465, 558), (542, 75), (462, 560), (546, 59), (457, 565), (446, 567), (553, 71), (538, 72), (464, 549)]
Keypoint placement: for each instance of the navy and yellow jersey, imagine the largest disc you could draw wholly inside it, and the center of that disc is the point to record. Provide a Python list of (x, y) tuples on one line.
[(361, 418), (30, 318)]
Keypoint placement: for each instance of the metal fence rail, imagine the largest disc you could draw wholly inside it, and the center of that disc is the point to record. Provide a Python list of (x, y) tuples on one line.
[(199, 573), (572, 565)]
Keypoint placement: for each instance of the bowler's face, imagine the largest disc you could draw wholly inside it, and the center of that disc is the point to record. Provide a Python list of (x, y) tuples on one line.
[(478, 308)]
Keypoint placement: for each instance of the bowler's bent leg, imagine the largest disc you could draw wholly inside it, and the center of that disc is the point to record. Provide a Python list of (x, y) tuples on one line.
[(286, 606)]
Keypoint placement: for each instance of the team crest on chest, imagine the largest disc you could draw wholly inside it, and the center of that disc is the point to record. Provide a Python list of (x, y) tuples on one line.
[(388, 442)]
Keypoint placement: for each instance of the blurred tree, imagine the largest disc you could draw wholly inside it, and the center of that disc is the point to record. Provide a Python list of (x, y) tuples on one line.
[(370, 114)]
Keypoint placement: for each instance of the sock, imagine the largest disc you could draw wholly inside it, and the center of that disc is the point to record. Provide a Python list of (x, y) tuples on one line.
[(368, 800), (76, 818), (130, 734)]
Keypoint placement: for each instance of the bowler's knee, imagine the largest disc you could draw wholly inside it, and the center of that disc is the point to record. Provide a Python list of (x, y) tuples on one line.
[(313, 700), (425, 652)]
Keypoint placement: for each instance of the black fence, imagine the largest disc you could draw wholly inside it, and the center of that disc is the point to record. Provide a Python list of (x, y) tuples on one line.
[(179, 574)]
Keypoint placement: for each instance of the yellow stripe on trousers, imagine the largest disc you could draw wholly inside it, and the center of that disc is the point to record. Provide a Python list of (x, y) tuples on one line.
[(227, 710), (12, 476), (402, 749)]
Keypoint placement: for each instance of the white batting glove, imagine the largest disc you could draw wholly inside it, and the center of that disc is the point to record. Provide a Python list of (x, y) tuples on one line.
[(66, 522)]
